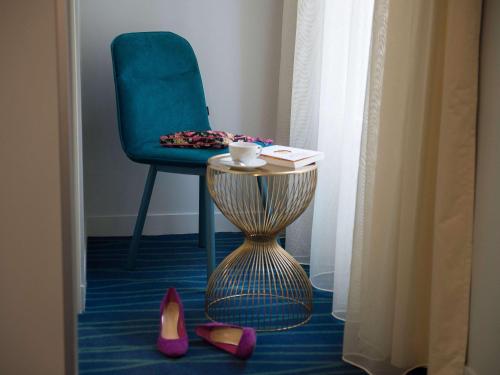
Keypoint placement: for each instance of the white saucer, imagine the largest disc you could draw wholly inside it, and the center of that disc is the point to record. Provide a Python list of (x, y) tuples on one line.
[(257, 163)]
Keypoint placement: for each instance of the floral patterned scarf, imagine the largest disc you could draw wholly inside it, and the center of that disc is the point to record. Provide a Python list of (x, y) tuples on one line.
[(207, 139)]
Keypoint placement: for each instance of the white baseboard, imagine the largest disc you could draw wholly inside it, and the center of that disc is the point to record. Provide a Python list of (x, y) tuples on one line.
[(469, 371), (156, 224)]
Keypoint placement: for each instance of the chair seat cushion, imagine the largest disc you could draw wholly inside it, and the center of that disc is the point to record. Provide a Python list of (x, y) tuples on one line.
[(154, 153)]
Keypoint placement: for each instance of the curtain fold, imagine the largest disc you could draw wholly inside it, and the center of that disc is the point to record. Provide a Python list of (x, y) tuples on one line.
[(304, 121), (410, 268)]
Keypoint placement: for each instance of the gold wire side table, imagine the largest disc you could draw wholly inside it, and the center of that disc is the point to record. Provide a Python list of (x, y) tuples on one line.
[(259, 284)]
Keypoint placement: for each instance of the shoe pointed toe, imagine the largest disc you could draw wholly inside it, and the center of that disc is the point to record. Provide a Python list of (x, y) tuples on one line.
[(243, 349), (173, 348), (247, 343)]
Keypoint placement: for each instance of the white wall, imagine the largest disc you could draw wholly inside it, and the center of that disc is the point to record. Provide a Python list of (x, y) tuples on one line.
[(238, 48), (484, 340)]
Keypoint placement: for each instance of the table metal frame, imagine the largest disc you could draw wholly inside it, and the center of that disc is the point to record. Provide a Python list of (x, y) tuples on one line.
[(259, 284)]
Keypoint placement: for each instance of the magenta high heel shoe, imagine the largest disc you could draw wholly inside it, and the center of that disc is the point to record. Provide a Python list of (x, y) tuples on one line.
[(173, 339), (239, 341)]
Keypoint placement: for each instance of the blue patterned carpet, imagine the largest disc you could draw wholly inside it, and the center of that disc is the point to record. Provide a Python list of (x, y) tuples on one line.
[(118, 331)]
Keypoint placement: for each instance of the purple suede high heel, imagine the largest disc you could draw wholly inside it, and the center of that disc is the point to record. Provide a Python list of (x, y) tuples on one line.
[(236, 340), (172, 339)]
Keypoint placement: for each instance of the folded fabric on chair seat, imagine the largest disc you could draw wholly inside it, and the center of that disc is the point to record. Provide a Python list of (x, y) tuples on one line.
[(212, 139)]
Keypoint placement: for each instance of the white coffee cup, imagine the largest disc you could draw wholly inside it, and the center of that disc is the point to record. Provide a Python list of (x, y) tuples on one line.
[(244, 152)]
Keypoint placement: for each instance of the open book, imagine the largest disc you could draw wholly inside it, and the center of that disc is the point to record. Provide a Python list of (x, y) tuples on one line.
[(290, 157)]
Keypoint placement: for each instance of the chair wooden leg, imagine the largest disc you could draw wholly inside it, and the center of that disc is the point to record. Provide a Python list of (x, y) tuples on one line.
[(201, 218), (141, 217), (208, 223)]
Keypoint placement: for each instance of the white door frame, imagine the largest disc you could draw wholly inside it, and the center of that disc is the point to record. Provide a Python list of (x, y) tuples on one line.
[(78, 228)]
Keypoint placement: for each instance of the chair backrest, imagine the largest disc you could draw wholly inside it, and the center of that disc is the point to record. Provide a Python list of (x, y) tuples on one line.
[(158, 87)]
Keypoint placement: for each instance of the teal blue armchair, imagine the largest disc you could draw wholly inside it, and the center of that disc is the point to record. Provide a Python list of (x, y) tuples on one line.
[(159, 91)]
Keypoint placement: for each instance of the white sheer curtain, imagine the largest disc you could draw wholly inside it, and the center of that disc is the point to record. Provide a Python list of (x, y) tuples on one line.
[(329, 81)]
